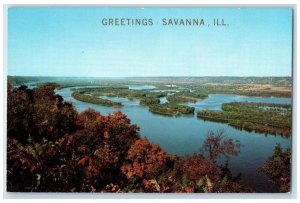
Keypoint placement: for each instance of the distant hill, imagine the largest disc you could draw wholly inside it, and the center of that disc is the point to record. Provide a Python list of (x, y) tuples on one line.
[(277, 81), (219, 80)]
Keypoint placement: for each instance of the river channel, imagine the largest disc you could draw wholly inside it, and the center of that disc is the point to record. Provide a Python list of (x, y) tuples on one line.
[(184, 135)]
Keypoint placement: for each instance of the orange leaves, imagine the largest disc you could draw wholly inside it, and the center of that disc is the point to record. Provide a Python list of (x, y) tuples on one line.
[(84, 161), (45, 122), (100, 145), (144, 160), (197, 166), (114, 128), (107, 156), (131, 170), (138, 168), (120, 130), (189, 189), (91, 168), (112, 188), (89, 119), (152, 185), (129, 174)]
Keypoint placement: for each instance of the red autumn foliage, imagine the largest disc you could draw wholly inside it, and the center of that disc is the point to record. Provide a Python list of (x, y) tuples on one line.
[(144, 160), (19, 114), (85, 161), (197, 166), (189, 189), (215, 145), (278, 168), (52, 148), (23, 165), (52, 118)]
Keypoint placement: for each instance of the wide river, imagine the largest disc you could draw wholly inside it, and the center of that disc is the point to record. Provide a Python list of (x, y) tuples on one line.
[(184, 135)]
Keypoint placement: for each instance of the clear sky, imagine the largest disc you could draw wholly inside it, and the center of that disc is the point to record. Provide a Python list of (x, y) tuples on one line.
[(73, 42)]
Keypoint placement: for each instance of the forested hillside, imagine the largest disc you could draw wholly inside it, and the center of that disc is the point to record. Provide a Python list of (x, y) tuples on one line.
[(53, 148)]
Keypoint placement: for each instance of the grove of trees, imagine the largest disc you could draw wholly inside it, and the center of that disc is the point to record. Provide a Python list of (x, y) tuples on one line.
[(259, 117)]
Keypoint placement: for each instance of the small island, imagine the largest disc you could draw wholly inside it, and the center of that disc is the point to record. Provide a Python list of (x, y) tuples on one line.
[(94, 100), (259, 117), (171, 109)]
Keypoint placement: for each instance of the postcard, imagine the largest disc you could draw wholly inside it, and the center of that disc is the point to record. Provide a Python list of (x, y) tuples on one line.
[(149, 99)]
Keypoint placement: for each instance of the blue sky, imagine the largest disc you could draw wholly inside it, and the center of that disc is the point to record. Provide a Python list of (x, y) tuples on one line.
[(72, 42)]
